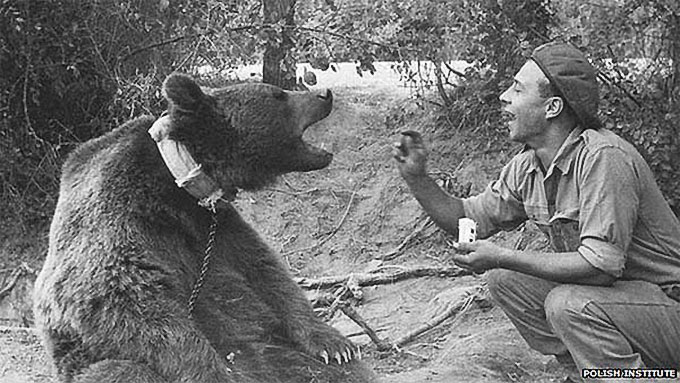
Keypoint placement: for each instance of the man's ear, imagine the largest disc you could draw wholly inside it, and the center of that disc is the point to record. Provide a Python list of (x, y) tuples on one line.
[(182, 92), (554, 106)]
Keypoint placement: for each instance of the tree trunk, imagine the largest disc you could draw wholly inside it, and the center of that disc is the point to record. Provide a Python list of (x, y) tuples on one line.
[(278, 62)]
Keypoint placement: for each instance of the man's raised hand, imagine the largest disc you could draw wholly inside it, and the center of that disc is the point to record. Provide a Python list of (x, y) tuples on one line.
[(411, 155)]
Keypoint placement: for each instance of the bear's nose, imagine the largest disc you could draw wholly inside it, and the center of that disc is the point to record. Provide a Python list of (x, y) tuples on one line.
[(326, 95)]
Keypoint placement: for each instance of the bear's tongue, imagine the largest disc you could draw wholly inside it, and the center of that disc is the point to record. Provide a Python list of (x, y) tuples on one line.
[(320, 149), (310, 157), (312, 144)]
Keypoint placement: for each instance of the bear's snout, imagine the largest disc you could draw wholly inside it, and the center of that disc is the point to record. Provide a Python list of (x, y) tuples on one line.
[(310, 107), (325, 95)]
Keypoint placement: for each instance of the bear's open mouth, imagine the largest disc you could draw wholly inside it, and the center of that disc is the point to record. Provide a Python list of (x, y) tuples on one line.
[(309, 155), (310, 143), (312, 155), (314, 149)]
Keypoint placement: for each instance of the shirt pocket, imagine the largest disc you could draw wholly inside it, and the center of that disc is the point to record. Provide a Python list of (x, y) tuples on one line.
[(537, 210), (564, 231)]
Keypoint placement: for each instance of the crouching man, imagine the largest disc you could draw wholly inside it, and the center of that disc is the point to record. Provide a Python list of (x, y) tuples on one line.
[(607, 294)]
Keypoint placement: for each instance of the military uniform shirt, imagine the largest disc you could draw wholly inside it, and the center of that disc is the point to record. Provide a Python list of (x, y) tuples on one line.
[(598, 197)]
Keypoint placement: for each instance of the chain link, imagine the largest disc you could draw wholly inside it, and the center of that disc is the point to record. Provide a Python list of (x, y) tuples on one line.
[(206, 261)]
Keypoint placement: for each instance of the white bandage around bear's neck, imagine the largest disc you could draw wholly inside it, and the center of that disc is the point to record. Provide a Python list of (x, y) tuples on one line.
[(188, 174)]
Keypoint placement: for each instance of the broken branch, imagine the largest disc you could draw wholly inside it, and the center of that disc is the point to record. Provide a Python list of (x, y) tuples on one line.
[(327, 304), (474, 295), (371, 279), (354, 315)]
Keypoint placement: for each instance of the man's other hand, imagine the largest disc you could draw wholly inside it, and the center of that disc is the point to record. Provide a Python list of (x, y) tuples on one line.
[(478, 256), (411, 155)]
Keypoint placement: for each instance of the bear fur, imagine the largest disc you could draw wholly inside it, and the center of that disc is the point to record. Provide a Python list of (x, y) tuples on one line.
[(127, 246)]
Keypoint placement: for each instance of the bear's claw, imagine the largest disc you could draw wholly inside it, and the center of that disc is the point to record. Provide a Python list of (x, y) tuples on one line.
[(347, 356), (325, 343)]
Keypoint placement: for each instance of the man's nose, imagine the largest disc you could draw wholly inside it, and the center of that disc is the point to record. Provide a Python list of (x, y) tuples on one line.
[(504, 97)]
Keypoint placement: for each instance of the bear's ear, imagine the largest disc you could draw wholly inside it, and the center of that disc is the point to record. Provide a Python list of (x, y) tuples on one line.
[(182, 92)]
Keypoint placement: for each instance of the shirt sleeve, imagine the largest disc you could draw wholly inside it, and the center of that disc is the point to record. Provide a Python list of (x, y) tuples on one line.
[(608, 208), (499, 206)]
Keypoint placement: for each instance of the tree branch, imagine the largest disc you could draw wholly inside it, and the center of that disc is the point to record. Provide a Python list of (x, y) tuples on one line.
[(473, 295), (188, 37), (440, 85), (625, 91), (357, 39), (371, 279), (358, 319), (457, 73), (261, 26), (13, 281)]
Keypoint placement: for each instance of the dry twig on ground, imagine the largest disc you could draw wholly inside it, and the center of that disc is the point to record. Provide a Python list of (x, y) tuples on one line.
[(326, 304), (350, 289), (371, 279), (333, 232), (368, 330), (424, 223), (473, 295)]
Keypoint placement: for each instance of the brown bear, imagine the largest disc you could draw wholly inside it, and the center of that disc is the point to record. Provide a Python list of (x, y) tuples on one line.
[(129, 249)]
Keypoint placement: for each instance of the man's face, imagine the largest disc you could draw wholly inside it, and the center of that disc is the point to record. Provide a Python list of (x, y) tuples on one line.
[(524, 109)]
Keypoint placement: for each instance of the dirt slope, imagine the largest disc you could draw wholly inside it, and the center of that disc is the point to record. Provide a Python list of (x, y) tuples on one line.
[(479, 346), (345, 219)]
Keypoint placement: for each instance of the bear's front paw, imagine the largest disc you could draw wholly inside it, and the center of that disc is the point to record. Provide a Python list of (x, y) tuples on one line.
[(328, 344)]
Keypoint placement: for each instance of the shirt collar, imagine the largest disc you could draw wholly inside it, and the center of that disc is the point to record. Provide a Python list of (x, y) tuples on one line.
[(564, 157)]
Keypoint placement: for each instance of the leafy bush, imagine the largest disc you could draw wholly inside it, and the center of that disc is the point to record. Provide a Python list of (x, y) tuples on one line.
[(634, 43), (636, 46), (71, 70)]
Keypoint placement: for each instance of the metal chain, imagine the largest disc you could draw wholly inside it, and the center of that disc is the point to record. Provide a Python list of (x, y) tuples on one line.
[(206, 261)]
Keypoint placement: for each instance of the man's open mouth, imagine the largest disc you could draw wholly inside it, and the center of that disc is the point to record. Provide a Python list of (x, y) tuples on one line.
[(506, 117)]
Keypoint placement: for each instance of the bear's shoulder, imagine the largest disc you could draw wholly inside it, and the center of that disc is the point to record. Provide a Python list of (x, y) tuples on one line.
[(107, 147)]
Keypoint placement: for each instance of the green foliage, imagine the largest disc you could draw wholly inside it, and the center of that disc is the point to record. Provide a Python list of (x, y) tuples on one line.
[(71, 70), (636, 45), (486, 33)]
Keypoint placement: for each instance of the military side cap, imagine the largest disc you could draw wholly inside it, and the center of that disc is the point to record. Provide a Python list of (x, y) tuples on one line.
[(569, 71)]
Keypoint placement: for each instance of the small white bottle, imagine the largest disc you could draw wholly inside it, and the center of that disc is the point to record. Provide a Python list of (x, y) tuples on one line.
[(467, 230)]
